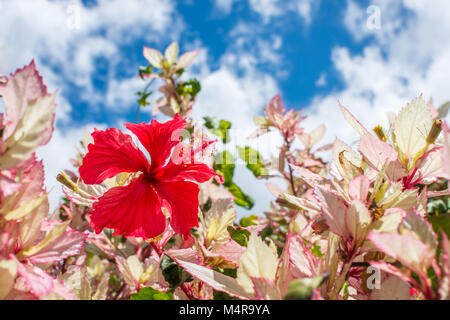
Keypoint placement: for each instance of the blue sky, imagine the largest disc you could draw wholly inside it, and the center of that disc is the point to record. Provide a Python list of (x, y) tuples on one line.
[(304, 52), (313, 52)]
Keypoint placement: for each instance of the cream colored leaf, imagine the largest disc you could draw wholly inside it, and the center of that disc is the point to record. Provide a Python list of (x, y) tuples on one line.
[(52, 235), (8, 272), (85, 286), (411, 129), (215, 279), (390, 220), (258, 261), (25, 209), (135, 267), (171, 52), (396, 198), (317, 134), (358, 220), (350, 118), (154, 56), (186, 59), (33, 129), (221, 215), (102, 289)]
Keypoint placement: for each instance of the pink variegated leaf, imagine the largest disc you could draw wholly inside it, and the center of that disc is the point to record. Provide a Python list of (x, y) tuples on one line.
[(421, 228), (358, 188), (265, 289), (8, 272), (334, 210), (284, 275), (390, 220), (61, 290), (429, 166), (302, 262), (36, 279), (346, 162), (8, 186), (131, 270), (20, 88), (391, 288), (30, 174), (317, 134), (411, 128), (153, 56), (406, 248), (444, 285), (216, 280), (350, 118), (186, 59), (358, 220), (391, 269), (84, 194), (445, 156), (305, 138), (376, 152), (188, 255), (310, 177), (67, 245), (274, 189), (30, 115), (311, 163), (230, 251)]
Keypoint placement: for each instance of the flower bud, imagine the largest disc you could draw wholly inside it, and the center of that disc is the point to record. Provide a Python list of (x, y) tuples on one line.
[(434, 131), (380, 133)]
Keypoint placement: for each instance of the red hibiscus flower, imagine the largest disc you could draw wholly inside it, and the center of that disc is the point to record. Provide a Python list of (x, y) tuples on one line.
[(136, 209)]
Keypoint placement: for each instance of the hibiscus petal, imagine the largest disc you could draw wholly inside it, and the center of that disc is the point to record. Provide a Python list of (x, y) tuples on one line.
[(181, 199), (133, 210), (198, 172), (113, 152), (158, 138)]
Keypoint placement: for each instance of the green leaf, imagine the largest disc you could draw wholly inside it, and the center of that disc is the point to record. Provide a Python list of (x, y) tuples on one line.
[(172, 273), (248, 221), (240, 198), (145, 70), (218, 295), (316, 251), (266, 232), (191, 87), (302, 289), (151, 294), (218, 128), (253, 160), (224, 165), (239, 235), (211, 122), (440, 223), (436, 207)]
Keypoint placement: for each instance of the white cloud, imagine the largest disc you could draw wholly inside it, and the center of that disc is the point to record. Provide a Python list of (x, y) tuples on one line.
[(322, 80), (397, 65), (68, 36), (122, 93), (224, 5), (305, 9), (266, 8), (269, 9)]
